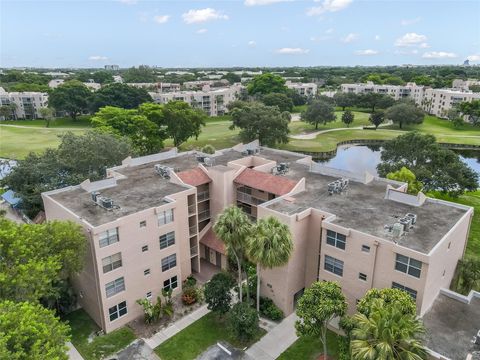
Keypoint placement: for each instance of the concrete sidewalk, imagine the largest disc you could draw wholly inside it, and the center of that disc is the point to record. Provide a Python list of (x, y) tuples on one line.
[(73, 353), (276, 341), (176, 327)]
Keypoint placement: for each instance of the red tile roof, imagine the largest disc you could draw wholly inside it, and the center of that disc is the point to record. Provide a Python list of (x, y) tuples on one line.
[(274, 184), (194, 177), (214, 243)]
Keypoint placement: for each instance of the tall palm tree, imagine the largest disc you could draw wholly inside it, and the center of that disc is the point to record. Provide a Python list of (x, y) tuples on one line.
[(269, 246), (387, 334), (233, 227)]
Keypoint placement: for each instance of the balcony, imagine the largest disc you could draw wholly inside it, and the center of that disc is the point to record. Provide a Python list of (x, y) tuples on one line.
[(202, 196), (194, 251), (193, 230), (248, 199), (204, 215), (192, 209)]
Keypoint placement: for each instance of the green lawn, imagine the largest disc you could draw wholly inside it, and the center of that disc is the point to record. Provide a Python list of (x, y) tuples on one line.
[(82, 326), (436, 126), (299, 127), (80, 122), (310, 348), (196, 338)]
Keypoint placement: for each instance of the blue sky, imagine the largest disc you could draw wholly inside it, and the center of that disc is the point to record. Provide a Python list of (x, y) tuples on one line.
[(238, 33)]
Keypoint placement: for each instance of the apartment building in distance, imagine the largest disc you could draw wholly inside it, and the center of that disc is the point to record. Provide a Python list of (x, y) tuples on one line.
[(26, 104), (460, 84), (212, 101), (304, 89), (149, 226)]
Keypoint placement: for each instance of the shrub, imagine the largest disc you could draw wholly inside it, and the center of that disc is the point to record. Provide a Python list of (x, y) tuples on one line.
[(151, 312), (217, 292), (189, 295), (190, 282), (243, 321), (208, 149), (269, 310)]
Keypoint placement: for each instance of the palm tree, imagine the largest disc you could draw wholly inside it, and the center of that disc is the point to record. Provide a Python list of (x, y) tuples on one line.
[(233, 227), (387, 334), (269, 246)]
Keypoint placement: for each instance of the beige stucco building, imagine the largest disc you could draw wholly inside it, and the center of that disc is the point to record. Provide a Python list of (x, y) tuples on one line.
[(149, 227)]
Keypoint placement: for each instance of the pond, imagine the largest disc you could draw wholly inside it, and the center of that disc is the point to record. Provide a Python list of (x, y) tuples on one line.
[(360, 158)]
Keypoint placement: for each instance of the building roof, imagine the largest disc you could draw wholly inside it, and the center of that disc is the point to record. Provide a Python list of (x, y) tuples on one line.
[(10, 198), (214, 243), (452, 324), (194, 177), (273, 184)]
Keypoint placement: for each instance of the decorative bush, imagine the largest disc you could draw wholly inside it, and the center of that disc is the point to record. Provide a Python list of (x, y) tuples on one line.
[(151, 312), (243, 321), (190, 295), (269, 310), (189, 282), (208, 149), (217, 292)]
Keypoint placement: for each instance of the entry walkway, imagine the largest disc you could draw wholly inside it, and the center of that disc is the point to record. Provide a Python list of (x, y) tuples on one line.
[(275, 341), (73, 353)]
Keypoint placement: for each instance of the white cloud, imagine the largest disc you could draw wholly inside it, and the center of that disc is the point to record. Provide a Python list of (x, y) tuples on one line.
[(406, 22), (439, 55), (423, 46), (328, 6), (349, 38), (329, 31), (161, 19), (320, 38), (203, 15), (128, 2), (292, 51), (377, 37), (367, 52), (252, 43), (201, 31), (410, 39), (473, 58), (262, 2), (98, 58)]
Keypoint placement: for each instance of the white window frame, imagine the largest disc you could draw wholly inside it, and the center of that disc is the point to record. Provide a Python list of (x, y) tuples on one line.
[(112, 262), (165, 217), (108, 237), (118, 311), (167, 240), (115, 287)]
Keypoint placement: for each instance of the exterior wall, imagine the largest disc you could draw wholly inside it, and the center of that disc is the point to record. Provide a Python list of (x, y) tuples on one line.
[(439, 101), (304, 89), (27, 103)]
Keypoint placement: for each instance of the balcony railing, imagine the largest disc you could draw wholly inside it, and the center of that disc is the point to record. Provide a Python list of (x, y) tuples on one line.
[(192, 209), (194, 251), (203, 215), (192, 230), (202, 196), (249, 199)]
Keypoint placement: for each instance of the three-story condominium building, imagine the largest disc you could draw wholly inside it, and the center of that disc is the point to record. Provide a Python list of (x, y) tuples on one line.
[(149, 226)]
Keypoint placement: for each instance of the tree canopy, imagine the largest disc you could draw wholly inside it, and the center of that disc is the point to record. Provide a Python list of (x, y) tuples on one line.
[(282, 101), (182, 121), (377, 118), (387, 297), (257, 121), (472, 110), (405, 113), (35, 257), (217, 292), (405, 175), (318, 112), (436, 167), (71, 96), (266, 83), (345, 99), (142, 74), (348, 117), (375, 100), (77, 158), (119, 95), (31, 332)]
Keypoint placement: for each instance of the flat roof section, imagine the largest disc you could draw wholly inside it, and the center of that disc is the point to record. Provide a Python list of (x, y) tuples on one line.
[(451, 326)]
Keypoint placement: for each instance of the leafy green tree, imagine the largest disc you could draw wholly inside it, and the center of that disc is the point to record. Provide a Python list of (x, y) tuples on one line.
[(269, 246), (233, 227), (436, 167), (318, 112), (405, 175), (266, 83), (102, 77), (474, 88), (142, 74), (77, 158), (405, 113), (399, 299), (455, 117), (182, 121), (46, 114), (377, 118), (344, 99), (119, 95), (35, 257), (282, 101), (31, 332), (23, 87), (472, 110), (8, 111), (243, 321), (232, 78), (145, 135), (217, 292), (320, 303), (468, 275), (258, 121), (71, 97), (373, 100), (297, 99), (348, 117), (387, 333)]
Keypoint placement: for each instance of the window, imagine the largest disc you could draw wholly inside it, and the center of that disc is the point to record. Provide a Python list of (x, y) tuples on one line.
[(336, 239), (165, 217), (411, 292), (144, 248), (169, 262), (108, 237), (366, 248), (167, 240), (146, 272), (171, 283), (143, 223), (118, 310), (112, 262), (333, 265), (362, 276), (149, 295), (408, 265), (115, 287)]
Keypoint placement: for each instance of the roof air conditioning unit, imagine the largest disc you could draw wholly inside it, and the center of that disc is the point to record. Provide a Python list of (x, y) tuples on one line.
[(105, 202), (477, 338), (95, 195), (406, 222), (397, 229), (413, 217)]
